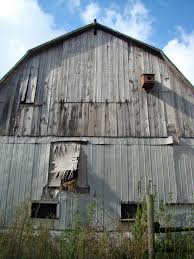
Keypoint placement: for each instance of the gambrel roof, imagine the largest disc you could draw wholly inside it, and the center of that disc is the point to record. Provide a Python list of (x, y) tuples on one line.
[(94, 26)]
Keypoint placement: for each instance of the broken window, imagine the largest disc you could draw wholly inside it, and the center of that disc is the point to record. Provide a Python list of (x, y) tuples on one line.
[(68, 167), (128, 211), (29, 81), (44, 209)]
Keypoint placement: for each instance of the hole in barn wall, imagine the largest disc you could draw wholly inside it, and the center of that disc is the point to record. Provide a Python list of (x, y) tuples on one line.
[(129, 210), (63, 169), (67, 170), (44, 210)]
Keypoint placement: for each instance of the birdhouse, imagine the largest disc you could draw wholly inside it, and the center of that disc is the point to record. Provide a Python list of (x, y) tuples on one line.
[(147, 81)]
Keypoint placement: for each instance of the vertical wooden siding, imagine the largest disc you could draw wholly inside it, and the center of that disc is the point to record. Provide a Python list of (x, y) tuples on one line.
[(95, 79)]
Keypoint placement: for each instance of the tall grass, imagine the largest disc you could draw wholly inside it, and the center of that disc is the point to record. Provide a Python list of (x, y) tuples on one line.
[(22, 239)]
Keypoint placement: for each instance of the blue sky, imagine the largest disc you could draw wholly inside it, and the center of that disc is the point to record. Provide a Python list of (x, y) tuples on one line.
[(165, 15), (166, 24)]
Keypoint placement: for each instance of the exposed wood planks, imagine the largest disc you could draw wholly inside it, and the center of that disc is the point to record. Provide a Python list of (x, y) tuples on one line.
[(144, 118), (89, 86), (25, 80), (54, 99), (12, 99), (146, 115), (32, 81)]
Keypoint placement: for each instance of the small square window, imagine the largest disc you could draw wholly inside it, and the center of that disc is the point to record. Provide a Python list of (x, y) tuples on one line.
[(128, 211), (44, 209)]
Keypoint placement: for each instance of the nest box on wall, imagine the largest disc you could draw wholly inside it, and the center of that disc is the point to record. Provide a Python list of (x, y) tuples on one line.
[(147, 81)]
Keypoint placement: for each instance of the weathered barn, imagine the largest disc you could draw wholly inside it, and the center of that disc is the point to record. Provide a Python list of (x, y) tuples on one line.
[(94, 115)]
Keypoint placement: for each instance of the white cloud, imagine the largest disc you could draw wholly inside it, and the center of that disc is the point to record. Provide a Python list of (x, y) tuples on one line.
[(23, 25), (133, 20), (90, 13), (181, 51), (74, 3)]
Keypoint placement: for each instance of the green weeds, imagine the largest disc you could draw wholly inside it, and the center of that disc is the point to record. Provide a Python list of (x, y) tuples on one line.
[(24, 239)]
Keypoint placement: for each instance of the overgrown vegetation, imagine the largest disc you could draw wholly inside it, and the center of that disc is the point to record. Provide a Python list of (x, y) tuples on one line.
[(23, 239)]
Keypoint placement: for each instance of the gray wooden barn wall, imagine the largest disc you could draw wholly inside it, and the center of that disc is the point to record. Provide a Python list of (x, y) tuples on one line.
[(97, 77), (118, 170)]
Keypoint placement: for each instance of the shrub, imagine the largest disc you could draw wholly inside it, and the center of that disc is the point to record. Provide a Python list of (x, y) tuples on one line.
[(25, 239)]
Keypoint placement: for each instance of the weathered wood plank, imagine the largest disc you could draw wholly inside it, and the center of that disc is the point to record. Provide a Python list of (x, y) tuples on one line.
[(92, 121), (65, 70), (115, 73), (18, 179), (112, 119), (11, 96), (131, 70), (132, 118), (145, 130), (25, 80), (137, 113), (29, 172), (44, 95), (121, 86), (109, 88), (11, 183), (90, 66), (32, 83), (125, 70), (5, 171), (35, 172), (42, 178), (28, 120), (151, 114), (137, 67), (56, 94), (24, 172), (77, 96), (103, 120)]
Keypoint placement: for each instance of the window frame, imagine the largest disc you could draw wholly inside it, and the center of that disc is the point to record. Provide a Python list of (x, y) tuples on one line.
[(131, 203), (46, 202)]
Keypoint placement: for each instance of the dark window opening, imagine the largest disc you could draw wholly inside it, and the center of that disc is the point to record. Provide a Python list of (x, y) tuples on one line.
[(44, 210), (23, 97), (128, 211)]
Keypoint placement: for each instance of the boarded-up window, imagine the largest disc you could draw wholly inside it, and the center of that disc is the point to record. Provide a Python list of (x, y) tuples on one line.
[(68, 167)]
